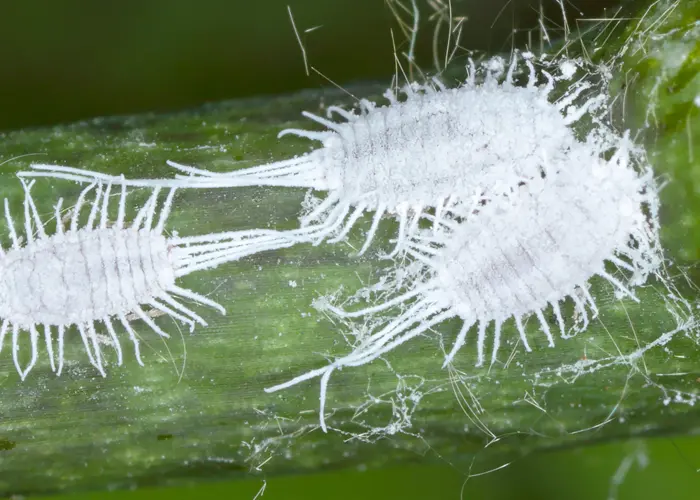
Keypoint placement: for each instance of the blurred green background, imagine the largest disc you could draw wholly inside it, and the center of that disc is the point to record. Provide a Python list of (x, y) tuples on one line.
[(584, 474), (71, 60), (68, 60)]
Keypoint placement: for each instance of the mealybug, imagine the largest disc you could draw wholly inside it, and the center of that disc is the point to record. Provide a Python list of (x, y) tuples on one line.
[(516, 255), (100, 273), (431, 148)]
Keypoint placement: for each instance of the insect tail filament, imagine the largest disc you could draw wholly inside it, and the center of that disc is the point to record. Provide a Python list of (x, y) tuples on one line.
[(301, 172)]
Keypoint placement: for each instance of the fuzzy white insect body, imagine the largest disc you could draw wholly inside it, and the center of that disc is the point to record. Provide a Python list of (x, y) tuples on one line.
[(437, 144), (515, 255), (101, 273), (46, 282), (433, 147), (520, 256)]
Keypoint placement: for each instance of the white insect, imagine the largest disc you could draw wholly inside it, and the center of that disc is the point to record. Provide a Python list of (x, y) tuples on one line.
[(517, 255), (100, 273), (428, 150)]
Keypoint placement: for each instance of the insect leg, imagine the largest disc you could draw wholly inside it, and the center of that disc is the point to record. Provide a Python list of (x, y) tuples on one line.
[(378, 308), (403, 215), (545, 327), (418, 312), (175, 304), (427, 323), (28, 230), (33, 335), (78, 206), (11, 226), (496, 339), (471, 73), (342, 112), (417, 213), (581, 308), (511, 69), (121, 215), (560, 318), (615, 282), (115, 340), (162, 307), (165, 212), (571, 96), (306, 134), (95, 205), (591, 301), (34, 339), (459, 341), (147, 210), (322, 397), (521, 331), (331, 199), (326, 123), (141, 314), (104, 212), (59, 219), (49, 346), (92, 334), (31, 206), (583, 109), (481, 343), (335, 219), (532, 77), (88, 350), (197, 298), (141, 214), (132, 336), (349, 224), (373, 229), (61, 339), (3, 332)]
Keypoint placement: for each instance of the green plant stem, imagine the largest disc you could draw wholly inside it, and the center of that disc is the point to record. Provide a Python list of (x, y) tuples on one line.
[(197, 409)]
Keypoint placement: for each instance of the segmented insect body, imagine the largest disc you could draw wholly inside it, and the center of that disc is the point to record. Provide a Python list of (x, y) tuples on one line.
[(425, 151), (517, 255), (100, 273)]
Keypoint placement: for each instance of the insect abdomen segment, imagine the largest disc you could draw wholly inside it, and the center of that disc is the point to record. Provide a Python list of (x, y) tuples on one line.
[(83, 276)]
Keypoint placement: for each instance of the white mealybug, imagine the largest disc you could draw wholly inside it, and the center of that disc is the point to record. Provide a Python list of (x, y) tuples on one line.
[(431, 148), (517, 255), (100, 272)]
